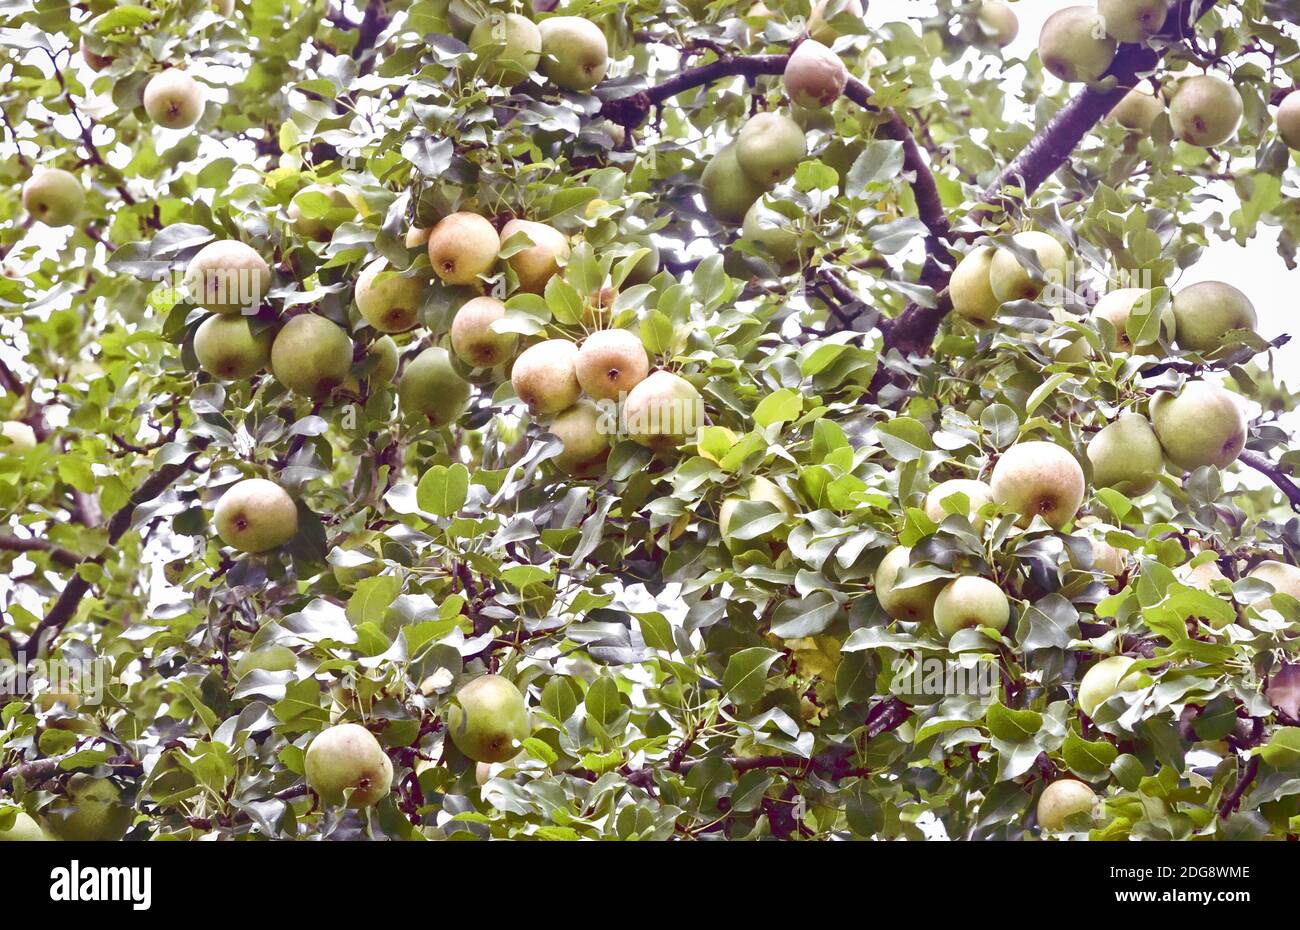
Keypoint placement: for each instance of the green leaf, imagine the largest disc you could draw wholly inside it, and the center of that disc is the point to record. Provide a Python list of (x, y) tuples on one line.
[(442, 490), (745, 679)]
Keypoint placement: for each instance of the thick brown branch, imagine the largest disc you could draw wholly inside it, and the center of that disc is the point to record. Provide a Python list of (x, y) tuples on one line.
[(1275, 474), (16, 544)]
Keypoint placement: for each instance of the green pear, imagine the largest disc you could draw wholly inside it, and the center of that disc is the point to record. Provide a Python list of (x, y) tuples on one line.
[(970, 289), (1139, 109), (25, 829), (384, 349), (472, 337), (1200, 425), (463, 246), (1118, 306), (91, 810), (769, 147), (508, 47), (1284, 578), (346, 763), (17, 436), (1133, 20), (915, 602), (610, 363), (814, 76), (319, 209), (728, 190), (1010, 280), (758, 489), (545, 376), (1104, 680), (663, 411), (173, 99), (255, 515), (266, 659), (969, 602), (228, 276), (229, 350), (536, 264), (1038, 479), (823, 11), (977, 494), (1288, 119), (998, 22), (94, 61), (771, 232), (489, 719), (311, 356), (584, 431), (1208, 311), (1063, 799), (388, 301), (1205, 110), (430, 386), (54, 196), (1074, 46), (575, 54), (1126, 456)]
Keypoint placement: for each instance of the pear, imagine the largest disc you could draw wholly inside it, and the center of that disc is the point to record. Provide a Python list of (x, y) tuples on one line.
[(977, 494), (94, 61), (462, 247), (1074, 46), (1063, 799), (488, 719), (575, 54), (728, 190), (430, 386), (173, 99), (822, 10), (911, 603), (25, 829), (998, 22), (545, 376), (770, 231), (1205, 110), (1010, 280), (228, 276), (482, 773), (1139, 108), (969, 602), (769, 147), (1208, 311), (1107, 558), (610, 363), (1104, 680), (391, 303), (417, 236), (54, 196), (1284, 578), (1039, 479), (17, 437), (311, 356), (1133, 20), (266, 659), (1126, 456), (92, 809), (384, 349), (318, 209), (663, 411), (472, 337), (970, 289), (1117, 307), (757, 488), (229, 350), (814, 75), (508, 47), (1288, 119), (346, 763), (255, 515), (584, 432), (647, 266), (1200, 425), (1202, 577), (535, 265)]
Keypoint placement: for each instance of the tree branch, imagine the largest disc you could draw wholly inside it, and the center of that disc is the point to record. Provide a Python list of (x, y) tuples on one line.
[(16, 544), (1275, 474)]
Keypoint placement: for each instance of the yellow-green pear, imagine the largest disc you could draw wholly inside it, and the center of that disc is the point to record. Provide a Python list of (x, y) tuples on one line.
[(583, 430), (1133, 20), (267, 659), (1074, 46), (17, 437), (1119, 305), (489, 719), (1010, 280), (430, 386), (1138, 109), (1284, 578), (914, 603), (384, 349), (1063, 799), (756, 488), (1288, 119), (319, 209), (823, 11), (575, 54), (173, 99), (25, 829), (417, 236), (1202, 424), (255, 515), (970, 289), (969, 602), (728, 191), (545, 376), (346, 763), (311, 356), (472, 337), (1106, 558), (610, 363), (1039, 479), (54, 196), (771, 232), (1205, 110), (463, 246), (769, 147), (229, 350), (91, 810), (508, 47), (977, 494), (228, 276), (1104, 680), (998, 22), (1202, 576), (1208, 311), (663, 411), (389, 301), (814, 75), (1126, 455), (535, 265)]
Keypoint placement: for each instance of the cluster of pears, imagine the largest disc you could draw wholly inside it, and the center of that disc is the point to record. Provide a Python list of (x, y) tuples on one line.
[(1204, 109), (1078, 43), (572, 51), (987, 277), (90, 809)]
